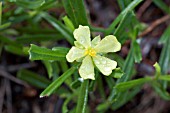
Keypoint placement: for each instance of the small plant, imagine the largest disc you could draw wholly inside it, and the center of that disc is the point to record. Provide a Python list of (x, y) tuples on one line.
[(83, 57), (91, 52)]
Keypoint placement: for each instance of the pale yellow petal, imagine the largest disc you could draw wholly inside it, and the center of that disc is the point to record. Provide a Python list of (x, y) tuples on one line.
[(82, 35), (108, 44), (77, 44), (104, 64), (74, 54), (87, 68), (95, 41)]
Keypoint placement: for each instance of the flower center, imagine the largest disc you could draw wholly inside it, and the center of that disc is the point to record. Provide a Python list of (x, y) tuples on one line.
[(90, 52)]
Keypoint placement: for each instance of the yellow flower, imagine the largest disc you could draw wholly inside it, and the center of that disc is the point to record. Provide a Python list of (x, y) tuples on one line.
[(90, 52)]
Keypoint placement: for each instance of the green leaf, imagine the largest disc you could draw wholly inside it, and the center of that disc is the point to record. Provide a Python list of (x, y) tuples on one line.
[(124, 86), (158, 70), (124, 24), (123, 3), (33, 78), (123, 99), (164, 60), (75, 84), (29, 38), (129, 8), (30, 4), (117, 73), (12, 0), (49, 68), (9, 41), (83, 96), (162, 5), (66, 102), (164, 77), (60, 27), (68, 23), (5, 25), (165, 36), (76, 11), (0, 13), (57, 83), (40, 53), (137, 52), (127, 69), (15, 50), (160, 90)]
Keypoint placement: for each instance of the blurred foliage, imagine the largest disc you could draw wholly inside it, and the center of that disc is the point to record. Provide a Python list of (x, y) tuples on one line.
[(31, 29)]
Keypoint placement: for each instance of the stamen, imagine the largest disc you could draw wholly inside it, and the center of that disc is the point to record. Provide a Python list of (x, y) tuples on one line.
[(90, 52)]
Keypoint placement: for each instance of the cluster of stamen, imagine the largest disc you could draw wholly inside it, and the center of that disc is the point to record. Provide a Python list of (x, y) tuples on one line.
[(90, 52)]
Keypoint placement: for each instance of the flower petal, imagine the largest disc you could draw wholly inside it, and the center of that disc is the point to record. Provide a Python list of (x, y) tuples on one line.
[(82, 35), (87, 68), (108, 44), (77, 44), (74, 54), (104, 64), (95, 41)]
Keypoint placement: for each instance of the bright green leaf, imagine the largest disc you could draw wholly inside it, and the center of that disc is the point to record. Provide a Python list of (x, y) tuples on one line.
[(83, 96), (40, 53), (124, 86), (57, 83)]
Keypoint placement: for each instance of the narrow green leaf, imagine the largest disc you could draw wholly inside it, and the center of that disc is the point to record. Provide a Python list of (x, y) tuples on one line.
[(123, 3), (29, 38), (164, 60), (123, 26), (40, 53), (9, 41), (165, 36), (82, 98), (66, 102), (124, 86), (127, 69), (160, 90), (15, 50), (49, 68), (123, 99), (137, 52), (76, 11), (30, 4), (60, 27), (5, 25), (75, 84), (97, 29), (158, 70), (33, 78), (162, 5), (129, 8), (12, 0), (165, 77), (0, 13), (57, 83), (68, 23)]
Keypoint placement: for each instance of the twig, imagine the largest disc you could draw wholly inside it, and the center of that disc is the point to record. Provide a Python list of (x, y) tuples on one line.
[(2, 94), (8, 96), (154, 24), (17, 67), (142, 9), (12, 78)]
